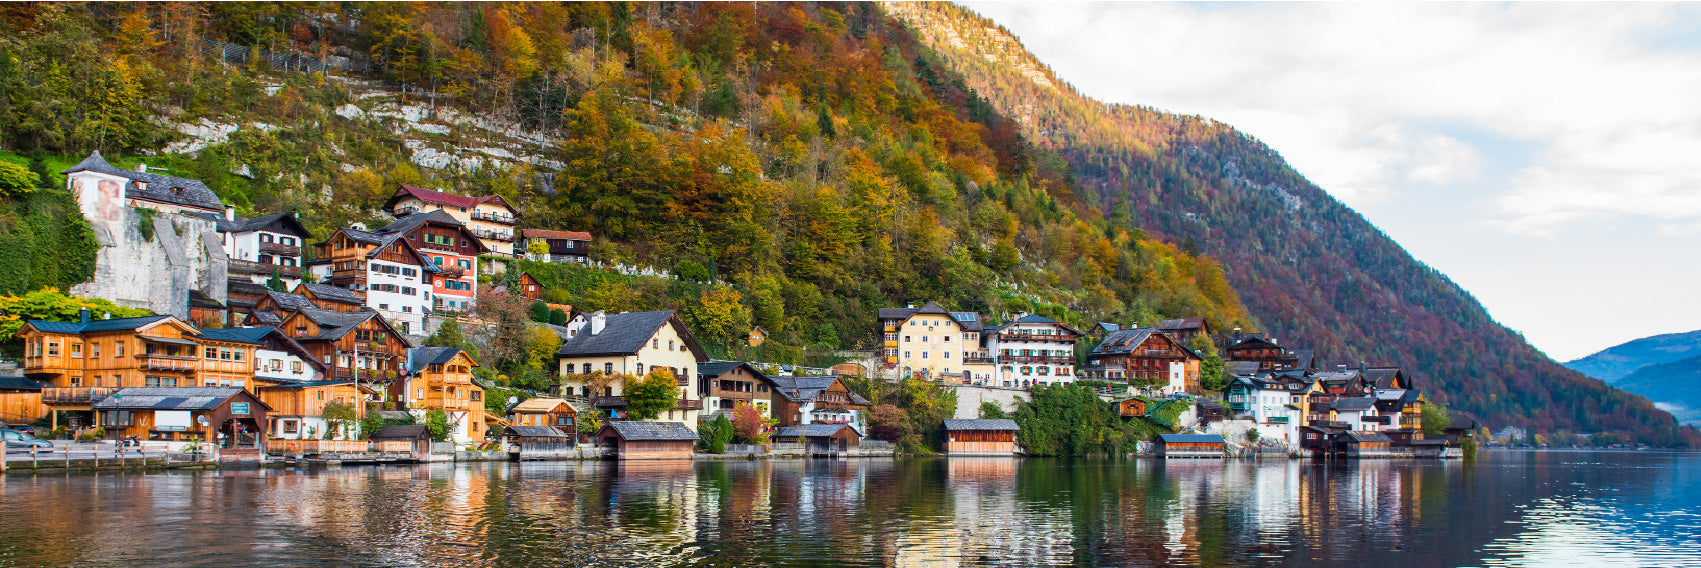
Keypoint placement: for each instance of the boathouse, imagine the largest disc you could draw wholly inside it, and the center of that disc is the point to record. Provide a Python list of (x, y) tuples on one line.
[(232, 416), (1190, 445), (818, 439), (412, 439), (1363, 444), (980, 437), (646, 440), (538, 443)]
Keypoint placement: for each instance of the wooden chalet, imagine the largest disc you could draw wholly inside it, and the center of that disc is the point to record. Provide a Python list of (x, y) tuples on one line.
[(1363, 444), (440, 378), (725, 385), (414, 439), (820, 439), (1144, 354), (298, 408), (528, 287), (1132, 407), (1257, 347), (563, 246), (206, 312), (20, 400), (816, 400), (539, 443), (348, 252), (1190, 445), (553, 412), (980, 437), (231, 416), (1185, 329), (354, 345), (647, 440), (756, 337)]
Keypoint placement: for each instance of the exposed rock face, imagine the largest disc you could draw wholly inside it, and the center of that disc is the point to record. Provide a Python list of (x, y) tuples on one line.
[(157, 275)]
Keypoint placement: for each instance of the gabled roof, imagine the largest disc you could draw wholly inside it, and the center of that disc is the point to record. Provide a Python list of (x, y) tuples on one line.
[(1108, 327), (805, 389), (154, 187), (625, 334), (238, 334), (970, 321), (999, 424), (283, 223), (329, 293), (244, 288), (539, 405), (379, 242), (534, 432), (402, 432), (718, 368), (1367, 437), (401, 227), (172, 398), (1381, 377), (811, 430), (1238, 368), (1037, 320), (1125, 341), (1181, 324), (1460, 422), (421, 357), (333, 325), (1353, 404), (443, 198), (651, 430), (114, 324), (1191, 438), (548, 234), (266, 317), (288, 301)]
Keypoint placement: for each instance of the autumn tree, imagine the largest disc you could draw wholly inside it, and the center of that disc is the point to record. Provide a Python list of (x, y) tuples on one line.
[(719, 316), (647, 398), (750, 425)]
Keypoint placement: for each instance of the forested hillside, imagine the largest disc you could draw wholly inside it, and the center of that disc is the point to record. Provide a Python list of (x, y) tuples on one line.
[(800, 165), (1312, 271)]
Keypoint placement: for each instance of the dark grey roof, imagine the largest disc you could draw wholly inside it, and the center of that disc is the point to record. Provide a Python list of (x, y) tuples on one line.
[(810, 430), (535, 432), (970, 321), (421, 357), (1460, 422), (957, 424), (197, 299), (1108, 327), (1123, 341), (622, 334), (333, 293), (1380, 377), (1368, 437), (154, 187), (333, 325), (1191, 438), (403, 432), (802, 389), (1240, 368), (21, 383), (288, 301), (282, 223), (652, 430), (401, 227), (245, 287), (1181, 323), (896, 313), (718, 368), (1351, 404), (266, 317), (115, 324), (169, 398), (1304, 358), (238, 334)]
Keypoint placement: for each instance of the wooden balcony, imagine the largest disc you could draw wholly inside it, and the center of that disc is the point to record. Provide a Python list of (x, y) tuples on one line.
[(1059, 337), (280, 249), (251, 267), (367, 374), (437, 246), (493, 235), (978, 360), (75, 395), (494, 217), (689, 404), (176, 363), (451, 271), (1051, 359), (405, 211)]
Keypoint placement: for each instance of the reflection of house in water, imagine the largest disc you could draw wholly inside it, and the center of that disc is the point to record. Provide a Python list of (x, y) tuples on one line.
[(986, 507)]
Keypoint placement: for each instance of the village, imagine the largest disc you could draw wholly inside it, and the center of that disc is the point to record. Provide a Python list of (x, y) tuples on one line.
[(271, 345)]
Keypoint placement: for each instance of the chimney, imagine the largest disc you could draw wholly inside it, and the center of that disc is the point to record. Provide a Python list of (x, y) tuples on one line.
[(230, 212), (142, 168), (83, 315), (599, 321)]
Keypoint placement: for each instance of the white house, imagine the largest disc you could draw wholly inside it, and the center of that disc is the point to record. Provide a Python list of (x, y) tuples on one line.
[(1033, 351), (259, 247), (632, 345)]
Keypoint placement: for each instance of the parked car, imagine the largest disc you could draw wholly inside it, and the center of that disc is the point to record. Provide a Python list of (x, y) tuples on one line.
[(19, 441)]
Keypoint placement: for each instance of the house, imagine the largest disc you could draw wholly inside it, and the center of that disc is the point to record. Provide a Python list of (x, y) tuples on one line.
[(1404, 407), (818, 439), (451, 247), (83, 362), (231, 416), (387, 272), (440, 378), (756, 337), (932, 343), (277, 358), (240, 297), (1132, 407), (1363, 444), (553, 412), (298, 408), (20, 399), (262, 247), (1033, 351), (1190, 445), (1459, 427), (177, 252), (817, 400), (646, 440), (1318, 439), (1385, 378), (980, 437), (1184, 329), (631, 345), (559, 247), (353, 345), (539, 442), (1146, 356), (1274, 403), (413, 439), (725, 385), (529, 288), (490, 218), (1259, 348), (1357, 413)]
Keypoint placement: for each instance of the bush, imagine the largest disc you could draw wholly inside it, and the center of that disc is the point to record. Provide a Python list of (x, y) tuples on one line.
[(688, 270), (540, 312), (557, 317), (438, 422), (991, 409)]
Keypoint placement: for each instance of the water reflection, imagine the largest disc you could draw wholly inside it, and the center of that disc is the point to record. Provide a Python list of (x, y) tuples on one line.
[(1512, 509)]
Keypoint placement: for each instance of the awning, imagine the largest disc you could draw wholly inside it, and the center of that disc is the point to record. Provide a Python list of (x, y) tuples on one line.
[(166, 340)]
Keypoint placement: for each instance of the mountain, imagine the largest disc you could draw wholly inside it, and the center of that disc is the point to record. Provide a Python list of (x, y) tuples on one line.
[(1311, 270), (1674, 387), (1613, 363)]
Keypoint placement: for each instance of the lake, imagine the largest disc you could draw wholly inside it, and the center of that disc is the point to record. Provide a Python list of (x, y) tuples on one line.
[(1510, 508)]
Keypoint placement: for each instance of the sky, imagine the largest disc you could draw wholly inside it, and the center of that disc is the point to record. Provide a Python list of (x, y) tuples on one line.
[(1545, 156)]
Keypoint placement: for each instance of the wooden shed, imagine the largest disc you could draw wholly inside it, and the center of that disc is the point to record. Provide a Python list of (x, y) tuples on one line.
[(980, 437), (1363, 444), (399, 438), (646, 440), (1190, 445), (821, 438), (1132, 407), (538, 443)]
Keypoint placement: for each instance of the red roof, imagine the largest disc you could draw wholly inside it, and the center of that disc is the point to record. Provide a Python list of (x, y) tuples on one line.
[(548, 234), (447, 199)]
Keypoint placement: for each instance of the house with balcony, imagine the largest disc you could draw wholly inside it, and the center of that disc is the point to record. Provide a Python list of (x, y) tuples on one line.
[(298, 408), (353, 345), (1184, 329), (386, 271), (440, 378), (726, 385), (627, 346), (1033, 351), (1146, 356), (277, 357), (559, 247), (933, 343), (1403, 407), (260, 247), (551, 412), (1273, 403), (818, 400), (450, 246), (489, 218), (1261, 349), (88, 360)]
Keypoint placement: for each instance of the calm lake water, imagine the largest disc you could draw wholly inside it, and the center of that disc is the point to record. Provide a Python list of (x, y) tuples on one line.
[(1511, 508)]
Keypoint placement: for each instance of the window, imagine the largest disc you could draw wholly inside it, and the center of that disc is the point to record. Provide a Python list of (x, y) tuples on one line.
[(587, 368), (237, 354), (923, 354), (212, 353), (464, 263), (419, 393), (160, 381), (947, 338), (224, 354), (76, 381), (52, 349), (77, 350), (640, 368), (947, 354), (655, 343), (94, 351), (295, 367), (906, 339), (924, 339), (289, 426), (608, 368), (670, 345)]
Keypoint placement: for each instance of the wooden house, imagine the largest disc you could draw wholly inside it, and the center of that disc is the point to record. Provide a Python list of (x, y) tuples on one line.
[(206, 312), (539, 443), (1259, 348), (414, 439), (20, 400), (820, 439), (756, 337), (553, 412), (490, 218), (1458, 428), (647, 440), (817, 400), (353, 345), (1185, 329), (440, 378), (528, 288), (298, 408), (980, 437), (726, 385), (231, 416), (560, 246), (453, 250), (1190, 445), (1132, 407), (1146, 355), (1316, 439), (387, 271)]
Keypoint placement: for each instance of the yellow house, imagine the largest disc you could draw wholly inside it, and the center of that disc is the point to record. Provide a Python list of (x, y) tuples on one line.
[(631, 345), (931, 342), (440, 378)]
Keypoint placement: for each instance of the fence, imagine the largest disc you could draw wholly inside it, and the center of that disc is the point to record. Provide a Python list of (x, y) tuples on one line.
[(104, 455)]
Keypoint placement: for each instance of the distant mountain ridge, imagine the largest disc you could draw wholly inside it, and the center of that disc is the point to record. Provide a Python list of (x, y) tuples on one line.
[(1618, 361), (1311, 270), (1674, 387)]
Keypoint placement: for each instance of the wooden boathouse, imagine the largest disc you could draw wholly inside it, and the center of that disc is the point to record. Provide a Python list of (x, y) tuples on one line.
[(1190, 445), (980, 437)]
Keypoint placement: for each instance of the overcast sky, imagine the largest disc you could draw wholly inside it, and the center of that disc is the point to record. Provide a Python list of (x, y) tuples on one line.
[(1546, 156)]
